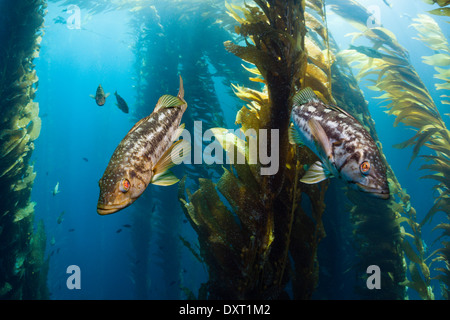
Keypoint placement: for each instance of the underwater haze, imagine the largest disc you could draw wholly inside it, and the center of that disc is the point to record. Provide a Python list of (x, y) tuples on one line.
[(224, 230)]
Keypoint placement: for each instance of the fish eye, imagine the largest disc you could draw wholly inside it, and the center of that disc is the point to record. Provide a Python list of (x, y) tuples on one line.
[(364, 167), (124, 185)]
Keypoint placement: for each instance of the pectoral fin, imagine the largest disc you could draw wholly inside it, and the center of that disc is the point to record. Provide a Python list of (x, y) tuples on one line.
[(321, 138), (174, 155), (315, 174), (92, 96), (107, 95), (294, 136)]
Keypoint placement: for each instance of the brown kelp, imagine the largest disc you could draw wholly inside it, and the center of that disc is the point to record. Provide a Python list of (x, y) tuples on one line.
[(444, 9), (23, 267), (431, 35), (387, 66), (382, 38), (382, 246), (244, 238), (256, 232), (254, 248)]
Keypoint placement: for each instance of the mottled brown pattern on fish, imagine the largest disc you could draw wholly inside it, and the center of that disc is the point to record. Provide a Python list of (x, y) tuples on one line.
[(138, 153), (143, 157), (350, 142)]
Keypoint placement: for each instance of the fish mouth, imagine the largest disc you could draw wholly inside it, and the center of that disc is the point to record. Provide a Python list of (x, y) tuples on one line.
[(377, 193), (104, 209)]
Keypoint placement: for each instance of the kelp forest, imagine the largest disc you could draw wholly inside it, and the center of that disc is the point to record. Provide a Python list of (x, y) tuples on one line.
[(23, 265), (256, 236)]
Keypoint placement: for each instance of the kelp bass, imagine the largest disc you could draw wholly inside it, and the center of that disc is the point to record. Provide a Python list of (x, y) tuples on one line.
[(145, 155), (346, 150)]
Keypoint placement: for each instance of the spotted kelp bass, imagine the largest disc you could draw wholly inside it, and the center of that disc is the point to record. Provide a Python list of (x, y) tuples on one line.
[(100, 96), (345, 149), (145, 155)]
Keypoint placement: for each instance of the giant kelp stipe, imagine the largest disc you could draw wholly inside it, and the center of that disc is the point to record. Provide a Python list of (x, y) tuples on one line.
[(231, 228), (22, 260)]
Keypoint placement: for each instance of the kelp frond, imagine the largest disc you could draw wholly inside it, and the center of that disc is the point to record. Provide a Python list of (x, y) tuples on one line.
[(320, 55), (444, 9), (431, 35)]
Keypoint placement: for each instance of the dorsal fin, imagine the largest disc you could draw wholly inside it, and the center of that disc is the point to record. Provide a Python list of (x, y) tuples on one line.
[(338, 109), (304, 96), (307, 95), (181, 95), (168, 101), (294, 136), (181, 90)]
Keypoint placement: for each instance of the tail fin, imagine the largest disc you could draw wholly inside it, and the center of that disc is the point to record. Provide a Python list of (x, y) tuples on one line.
[(181, 91), (181, 94)]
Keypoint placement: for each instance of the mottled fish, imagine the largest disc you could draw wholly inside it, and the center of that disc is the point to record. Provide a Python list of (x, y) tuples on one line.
[(100, 96), (121, 103), (145, 155), (345, 149)]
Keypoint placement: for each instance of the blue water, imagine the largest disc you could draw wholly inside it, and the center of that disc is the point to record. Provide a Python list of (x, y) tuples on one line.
[(78, 138)]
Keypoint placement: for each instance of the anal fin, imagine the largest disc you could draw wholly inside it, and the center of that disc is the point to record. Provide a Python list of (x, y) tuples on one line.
[(294, 136)]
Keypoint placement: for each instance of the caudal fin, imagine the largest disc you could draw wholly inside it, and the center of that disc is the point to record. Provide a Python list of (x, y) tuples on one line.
[(181, 93)]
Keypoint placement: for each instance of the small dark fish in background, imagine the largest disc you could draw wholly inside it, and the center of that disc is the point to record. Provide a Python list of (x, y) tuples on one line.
[(118, 230), (71, 230), (100, 96), (61, 217), (121, 103), (126, 225), (86, 159), (59, 20)]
